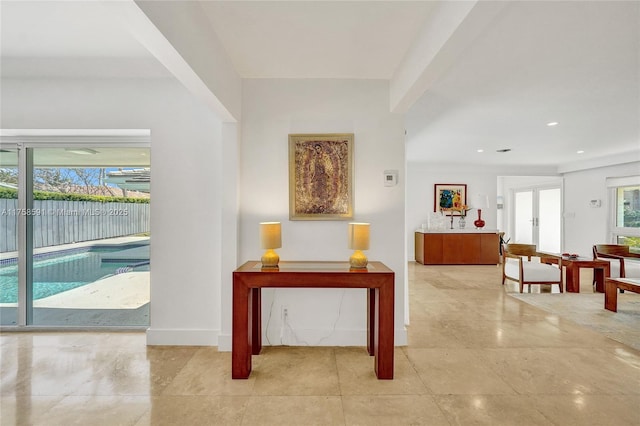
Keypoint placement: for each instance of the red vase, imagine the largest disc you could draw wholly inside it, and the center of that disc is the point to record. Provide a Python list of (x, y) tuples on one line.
[(479, 223)]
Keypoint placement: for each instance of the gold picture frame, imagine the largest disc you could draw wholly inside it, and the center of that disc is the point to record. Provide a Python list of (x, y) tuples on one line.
[(321, 176)]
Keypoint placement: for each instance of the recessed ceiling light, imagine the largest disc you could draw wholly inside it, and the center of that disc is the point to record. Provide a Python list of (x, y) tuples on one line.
[(503, 150), (552, 123), (481, 150), (580, 152)]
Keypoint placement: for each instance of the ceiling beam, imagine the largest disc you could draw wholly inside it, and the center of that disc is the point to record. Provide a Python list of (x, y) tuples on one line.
[(175, 34), (448, 31)]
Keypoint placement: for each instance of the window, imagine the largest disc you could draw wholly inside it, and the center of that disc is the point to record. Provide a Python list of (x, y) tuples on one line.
[(626, 211)]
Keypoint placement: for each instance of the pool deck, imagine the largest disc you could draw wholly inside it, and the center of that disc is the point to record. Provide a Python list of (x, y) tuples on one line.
[(133, 255), (62, 247), (122, 291)]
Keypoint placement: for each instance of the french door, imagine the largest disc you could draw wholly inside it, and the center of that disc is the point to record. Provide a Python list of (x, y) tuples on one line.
[(538, 217)]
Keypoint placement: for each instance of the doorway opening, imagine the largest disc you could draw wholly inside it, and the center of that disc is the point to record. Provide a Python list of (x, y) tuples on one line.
[(533, 208)]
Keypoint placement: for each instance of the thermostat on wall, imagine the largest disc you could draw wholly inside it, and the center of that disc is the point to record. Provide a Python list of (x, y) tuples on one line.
[(595, 203), (390, 177)]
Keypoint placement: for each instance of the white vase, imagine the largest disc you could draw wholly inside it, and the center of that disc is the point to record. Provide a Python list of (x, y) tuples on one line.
[(462, 222)]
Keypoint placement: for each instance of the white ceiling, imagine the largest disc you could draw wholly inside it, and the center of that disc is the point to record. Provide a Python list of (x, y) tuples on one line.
[(322, 39), (69, 39), (576, 63), (63, 29)]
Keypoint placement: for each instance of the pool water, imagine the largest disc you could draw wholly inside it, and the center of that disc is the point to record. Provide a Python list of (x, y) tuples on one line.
[(57, 274)]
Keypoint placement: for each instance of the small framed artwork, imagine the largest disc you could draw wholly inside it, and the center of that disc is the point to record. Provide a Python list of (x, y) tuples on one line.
[(321, 176), (449, 196)]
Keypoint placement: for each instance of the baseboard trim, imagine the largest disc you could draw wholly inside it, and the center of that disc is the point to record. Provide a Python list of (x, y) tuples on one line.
[(173, 337), (314, 337)]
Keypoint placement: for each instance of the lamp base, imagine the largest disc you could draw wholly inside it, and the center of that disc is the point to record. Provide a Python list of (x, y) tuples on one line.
[(479, 223), (270, 259), (358, 260)]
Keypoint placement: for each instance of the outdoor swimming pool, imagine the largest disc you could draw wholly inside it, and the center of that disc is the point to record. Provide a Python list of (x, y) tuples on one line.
[(59, 273)]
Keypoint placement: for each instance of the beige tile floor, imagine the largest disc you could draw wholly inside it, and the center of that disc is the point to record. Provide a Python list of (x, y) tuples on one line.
[(476, 356)]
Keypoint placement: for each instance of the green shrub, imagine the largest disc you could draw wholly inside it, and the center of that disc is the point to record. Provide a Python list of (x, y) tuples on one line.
[(60, 196)]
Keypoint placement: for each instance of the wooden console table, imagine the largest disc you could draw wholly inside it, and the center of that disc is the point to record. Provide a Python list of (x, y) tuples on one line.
[(250, 278), (457, 248), (611, 290)]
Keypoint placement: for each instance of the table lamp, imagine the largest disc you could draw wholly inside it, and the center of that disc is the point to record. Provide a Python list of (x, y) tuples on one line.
[(270, 239), (358, 241)]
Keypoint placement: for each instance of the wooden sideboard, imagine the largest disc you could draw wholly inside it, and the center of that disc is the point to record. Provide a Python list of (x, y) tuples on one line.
[(457, 248)]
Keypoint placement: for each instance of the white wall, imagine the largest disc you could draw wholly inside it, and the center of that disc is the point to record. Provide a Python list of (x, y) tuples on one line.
[(272, 109), (186, 164), (422, 177), (586, 225)]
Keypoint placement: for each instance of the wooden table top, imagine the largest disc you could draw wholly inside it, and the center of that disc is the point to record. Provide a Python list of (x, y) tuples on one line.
[(313, 266)]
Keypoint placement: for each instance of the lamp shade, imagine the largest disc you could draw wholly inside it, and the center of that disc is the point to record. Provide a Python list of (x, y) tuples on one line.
[(359, 236), (270, 236), (482, 201)]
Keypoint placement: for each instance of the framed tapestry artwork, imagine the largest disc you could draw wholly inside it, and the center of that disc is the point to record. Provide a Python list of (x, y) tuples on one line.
[(449, 196), (321, 176)]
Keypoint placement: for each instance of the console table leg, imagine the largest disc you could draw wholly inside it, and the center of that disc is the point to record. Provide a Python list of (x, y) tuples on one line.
[(371, 320), (384, 340), (256, 321), (241, 334)]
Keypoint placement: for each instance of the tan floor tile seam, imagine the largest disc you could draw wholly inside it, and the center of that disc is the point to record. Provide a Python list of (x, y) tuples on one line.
[(341, 389), (549, 421), (344, 417), (287, 395), (412, 365), (246, 422), (44, 417), (567, 394), (487, 362), (167, 391), (506, 379), (443, 413), (142, 416), (244, 413), (166, 388), (429, 391), (602, 333), (459, 344), (596, 345)]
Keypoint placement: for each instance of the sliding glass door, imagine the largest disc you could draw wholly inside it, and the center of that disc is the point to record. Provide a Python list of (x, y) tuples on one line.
[(82, 222), (8, 234)]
